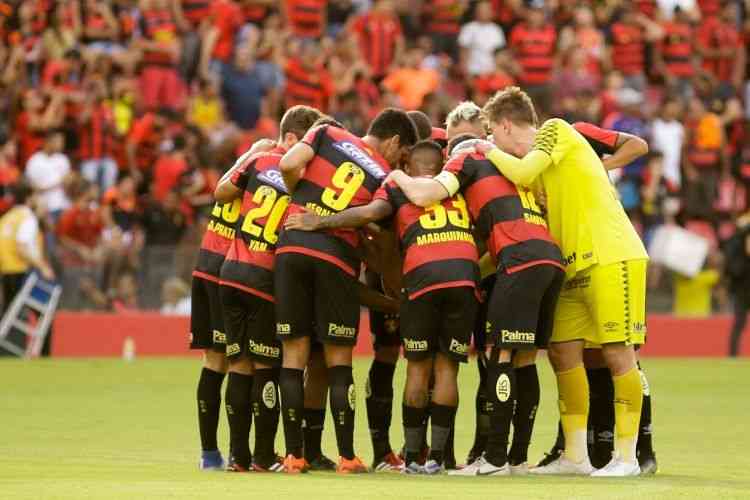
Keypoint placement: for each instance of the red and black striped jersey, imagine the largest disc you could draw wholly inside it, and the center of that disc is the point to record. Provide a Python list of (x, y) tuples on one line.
[(345, 172), (628, 48), (603, 141), (437, 243), (677, 49), (535, 50), (220, 234), (378, 35), (506, 216), (158, 26), (250, 260)]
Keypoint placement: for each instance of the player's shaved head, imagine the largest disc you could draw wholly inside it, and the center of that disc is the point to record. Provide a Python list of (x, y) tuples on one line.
[(298, 120), (423, 124)]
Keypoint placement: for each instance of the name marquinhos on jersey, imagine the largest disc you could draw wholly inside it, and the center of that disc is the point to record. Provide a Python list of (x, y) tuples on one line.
[(221, 230), (444, 237)]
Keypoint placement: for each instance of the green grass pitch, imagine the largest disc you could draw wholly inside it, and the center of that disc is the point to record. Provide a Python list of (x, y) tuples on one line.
[(109, 429)]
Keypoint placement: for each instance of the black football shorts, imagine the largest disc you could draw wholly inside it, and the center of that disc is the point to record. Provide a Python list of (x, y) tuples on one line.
[(206, 319), (251, 327), (521, 307), (441, 320), (315, 299)]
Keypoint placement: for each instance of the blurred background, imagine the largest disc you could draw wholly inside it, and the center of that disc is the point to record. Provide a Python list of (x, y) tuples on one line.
[(119, 116)]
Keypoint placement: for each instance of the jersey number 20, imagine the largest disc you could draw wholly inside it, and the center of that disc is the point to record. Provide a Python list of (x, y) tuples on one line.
[(270, 205)]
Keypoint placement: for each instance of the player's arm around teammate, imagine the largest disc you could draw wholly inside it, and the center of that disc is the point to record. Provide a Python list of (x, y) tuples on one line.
[(603, 300)]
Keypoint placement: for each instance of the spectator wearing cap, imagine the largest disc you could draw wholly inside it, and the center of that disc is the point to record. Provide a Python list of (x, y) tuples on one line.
[(479, 40), (380, 37), (47, 171), (533, 42), (721, 44)]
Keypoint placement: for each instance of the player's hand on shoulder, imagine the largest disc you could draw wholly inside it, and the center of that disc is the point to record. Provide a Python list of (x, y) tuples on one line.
[(473, 146), (305, 221)]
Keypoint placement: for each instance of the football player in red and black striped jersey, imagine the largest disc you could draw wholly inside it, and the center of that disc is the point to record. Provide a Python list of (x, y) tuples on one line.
[(247, 297), (315, 280), (528, 279), (440, 275), (207, 323)]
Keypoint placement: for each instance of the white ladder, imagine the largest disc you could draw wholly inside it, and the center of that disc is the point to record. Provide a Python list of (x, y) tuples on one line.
[(38, 295)]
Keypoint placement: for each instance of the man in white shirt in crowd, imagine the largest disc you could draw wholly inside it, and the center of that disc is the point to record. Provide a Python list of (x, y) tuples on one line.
[(46, 171), (479, 40), (667, 137)]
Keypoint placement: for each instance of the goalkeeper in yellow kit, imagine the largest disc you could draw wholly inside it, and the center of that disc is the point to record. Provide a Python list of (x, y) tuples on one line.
[(603, 298)]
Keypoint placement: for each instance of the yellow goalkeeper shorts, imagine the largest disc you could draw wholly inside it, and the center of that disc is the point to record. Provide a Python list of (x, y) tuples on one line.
[(603, 304)]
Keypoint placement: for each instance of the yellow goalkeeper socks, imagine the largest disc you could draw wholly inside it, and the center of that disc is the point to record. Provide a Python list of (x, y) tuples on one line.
[(628, 402), (573, 388)]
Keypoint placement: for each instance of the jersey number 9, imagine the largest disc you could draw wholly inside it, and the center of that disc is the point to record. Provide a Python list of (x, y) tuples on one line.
[(348, 178)]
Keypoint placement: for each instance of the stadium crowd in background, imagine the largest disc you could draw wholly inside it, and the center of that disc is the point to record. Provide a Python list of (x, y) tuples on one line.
[(122, 114)]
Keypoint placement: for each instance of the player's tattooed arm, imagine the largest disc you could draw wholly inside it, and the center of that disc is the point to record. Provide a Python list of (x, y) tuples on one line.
[(292, 164), (421, 191), (351, 218)]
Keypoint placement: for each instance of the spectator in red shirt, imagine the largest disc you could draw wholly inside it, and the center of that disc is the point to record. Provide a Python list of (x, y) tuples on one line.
[(308, 81), (675, 54), (380, 37), (627, 46), (306, 18), (81, 226), (224, 20), (143, 142), (506, 71), (159, 44), (533, 43), (442, 21), (96, 132), (169, 169), (723, 49)]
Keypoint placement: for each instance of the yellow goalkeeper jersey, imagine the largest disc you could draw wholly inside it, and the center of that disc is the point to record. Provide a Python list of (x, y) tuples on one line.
[(583, 212)]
